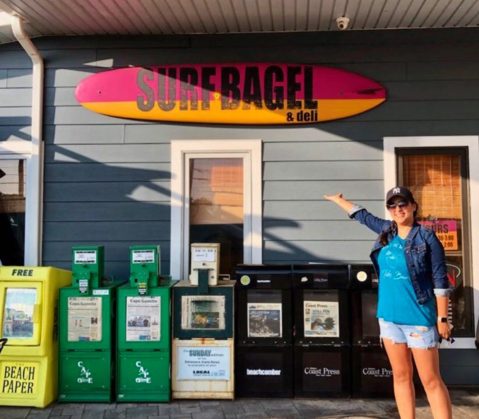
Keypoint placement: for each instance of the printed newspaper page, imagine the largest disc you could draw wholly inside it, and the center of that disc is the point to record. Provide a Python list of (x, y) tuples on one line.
[(203, 312), (321, 319), (84, 319), (18, 314), (143, 316), (265, 320)]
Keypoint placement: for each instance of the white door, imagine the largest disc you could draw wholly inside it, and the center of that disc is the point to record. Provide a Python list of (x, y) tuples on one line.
[(216, 198)]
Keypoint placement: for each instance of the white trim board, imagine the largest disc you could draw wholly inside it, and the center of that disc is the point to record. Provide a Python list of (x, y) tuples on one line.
[(181, 151), (472, 143)]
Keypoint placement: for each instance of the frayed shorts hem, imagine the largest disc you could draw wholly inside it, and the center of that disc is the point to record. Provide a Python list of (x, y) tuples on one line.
[(415, 337)]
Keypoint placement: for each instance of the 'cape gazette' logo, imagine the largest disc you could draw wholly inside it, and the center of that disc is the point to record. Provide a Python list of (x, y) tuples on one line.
[(143, 374), (85, 374)]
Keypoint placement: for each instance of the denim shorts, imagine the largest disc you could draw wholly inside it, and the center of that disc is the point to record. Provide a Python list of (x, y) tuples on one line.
[(422, 337)]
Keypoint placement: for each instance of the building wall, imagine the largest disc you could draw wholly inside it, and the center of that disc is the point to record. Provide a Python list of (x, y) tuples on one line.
[(107, 180), (15, 93)]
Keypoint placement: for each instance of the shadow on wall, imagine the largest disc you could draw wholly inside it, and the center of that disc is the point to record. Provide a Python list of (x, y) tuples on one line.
[(87, 202), (115, 205), (15, 128)]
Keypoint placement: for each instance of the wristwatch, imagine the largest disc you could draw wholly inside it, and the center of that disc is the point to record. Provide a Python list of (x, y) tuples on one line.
[(441, 319)]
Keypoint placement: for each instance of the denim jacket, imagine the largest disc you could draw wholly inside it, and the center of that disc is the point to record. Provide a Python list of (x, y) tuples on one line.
[(425, 258)]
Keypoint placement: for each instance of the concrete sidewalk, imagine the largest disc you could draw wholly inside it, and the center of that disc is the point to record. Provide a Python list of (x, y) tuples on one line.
[(465, 406)]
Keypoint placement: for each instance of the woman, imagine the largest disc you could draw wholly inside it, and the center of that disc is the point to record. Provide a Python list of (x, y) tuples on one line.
[(413, 298)]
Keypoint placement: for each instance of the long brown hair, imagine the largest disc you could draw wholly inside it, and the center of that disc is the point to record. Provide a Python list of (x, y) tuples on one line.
[(391, 231)]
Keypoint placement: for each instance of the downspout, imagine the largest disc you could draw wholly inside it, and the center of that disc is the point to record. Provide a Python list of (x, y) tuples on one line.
[(34, 201)]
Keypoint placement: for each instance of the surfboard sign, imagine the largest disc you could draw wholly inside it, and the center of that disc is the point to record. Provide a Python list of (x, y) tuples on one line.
[(246, 93)]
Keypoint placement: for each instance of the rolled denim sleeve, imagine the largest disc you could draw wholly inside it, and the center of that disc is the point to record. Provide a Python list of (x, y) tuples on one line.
[(438, 267), (354, 210), (443, 292), (363, 216)]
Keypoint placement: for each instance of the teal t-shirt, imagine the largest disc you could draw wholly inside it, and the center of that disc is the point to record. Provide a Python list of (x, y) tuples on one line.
[(397, 300)]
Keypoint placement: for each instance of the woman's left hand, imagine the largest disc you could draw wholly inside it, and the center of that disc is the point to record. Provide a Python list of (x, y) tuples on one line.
[(444, 330)]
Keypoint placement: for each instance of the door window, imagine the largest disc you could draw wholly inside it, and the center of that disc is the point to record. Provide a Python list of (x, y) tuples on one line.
[(216, 207), (438, 181)]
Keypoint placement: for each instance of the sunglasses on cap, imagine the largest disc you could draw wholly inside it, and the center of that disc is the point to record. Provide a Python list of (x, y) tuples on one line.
[(400, 205)]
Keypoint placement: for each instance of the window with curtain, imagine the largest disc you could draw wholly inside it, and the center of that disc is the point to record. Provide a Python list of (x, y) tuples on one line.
[(438, 179)]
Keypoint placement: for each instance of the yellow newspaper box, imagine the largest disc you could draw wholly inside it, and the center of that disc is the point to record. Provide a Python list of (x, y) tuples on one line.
[(29, 357)]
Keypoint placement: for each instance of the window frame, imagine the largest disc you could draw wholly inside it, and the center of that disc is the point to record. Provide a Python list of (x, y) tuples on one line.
[(184, 150), (471, 143), (23, 150)]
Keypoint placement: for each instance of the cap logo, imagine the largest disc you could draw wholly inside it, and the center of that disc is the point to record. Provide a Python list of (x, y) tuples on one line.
[(396, 190)]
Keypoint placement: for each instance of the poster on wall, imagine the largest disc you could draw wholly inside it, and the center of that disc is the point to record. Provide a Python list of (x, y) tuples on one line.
[(446, 232), (203, 312), (265, 320), (143, 316), (321, 319), (84, 319)]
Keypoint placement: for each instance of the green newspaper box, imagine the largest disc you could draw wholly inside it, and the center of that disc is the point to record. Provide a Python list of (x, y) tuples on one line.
[(143, 330), (86, 331)]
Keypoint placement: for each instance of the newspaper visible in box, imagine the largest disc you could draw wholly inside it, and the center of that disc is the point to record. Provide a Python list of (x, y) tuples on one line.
[(143, 318), (203, 312), (321, 319), (265, 320), (84, 319), (18, 314)]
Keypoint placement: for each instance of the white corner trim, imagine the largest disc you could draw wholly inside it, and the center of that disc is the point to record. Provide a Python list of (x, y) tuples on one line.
[(35, 164), (251, 152), (472, 144)]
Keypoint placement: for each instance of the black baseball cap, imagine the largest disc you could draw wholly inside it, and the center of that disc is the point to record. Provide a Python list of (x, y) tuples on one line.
[(399, 191)]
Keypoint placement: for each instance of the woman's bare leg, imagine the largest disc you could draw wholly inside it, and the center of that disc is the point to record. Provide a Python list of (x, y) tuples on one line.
[(427, 364), (401, 362)]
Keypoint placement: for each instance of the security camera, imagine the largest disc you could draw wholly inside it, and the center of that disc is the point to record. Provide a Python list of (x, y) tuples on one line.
[(342, 23)]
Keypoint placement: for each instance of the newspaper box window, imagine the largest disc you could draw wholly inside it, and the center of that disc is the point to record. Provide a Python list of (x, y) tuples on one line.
[(265, 320), (18, 315), (206, 312)]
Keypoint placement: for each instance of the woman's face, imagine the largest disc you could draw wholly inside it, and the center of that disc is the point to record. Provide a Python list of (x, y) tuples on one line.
[(402, 211)]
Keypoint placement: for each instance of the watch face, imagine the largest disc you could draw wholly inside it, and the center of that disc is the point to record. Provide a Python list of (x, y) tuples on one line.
[(443, 319)]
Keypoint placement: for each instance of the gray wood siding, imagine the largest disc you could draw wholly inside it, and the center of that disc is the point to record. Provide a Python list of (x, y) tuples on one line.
[(15, 94), (108, 179)]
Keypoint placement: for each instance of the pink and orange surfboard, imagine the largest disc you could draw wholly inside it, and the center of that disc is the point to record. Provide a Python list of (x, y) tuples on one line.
[(247, 93)]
